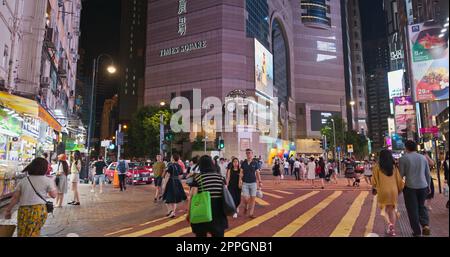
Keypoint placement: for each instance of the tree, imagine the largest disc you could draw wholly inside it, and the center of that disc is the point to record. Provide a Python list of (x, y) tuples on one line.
[(144, 131), (327, 131), (359, 142)]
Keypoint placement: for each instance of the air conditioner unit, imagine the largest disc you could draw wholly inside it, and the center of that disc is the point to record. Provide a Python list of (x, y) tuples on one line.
[(69, 36), (45, 82), (60, 3)]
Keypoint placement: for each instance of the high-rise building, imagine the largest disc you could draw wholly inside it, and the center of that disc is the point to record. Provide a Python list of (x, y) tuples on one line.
[(355, 71), (132, 57), (224, 48)]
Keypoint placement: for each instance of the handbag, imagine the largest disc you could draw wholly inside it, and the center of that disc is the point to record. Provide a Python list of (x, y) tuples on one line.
[(200, 211), (57, 178), (259, 193), (229, 207), (48, 204)]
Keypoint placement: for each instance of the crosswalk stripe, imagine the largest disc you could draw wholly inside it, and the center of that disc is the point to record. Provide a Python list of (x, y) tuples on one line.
[(345, 226), (369, 226), (298, 223), (181, 232), (273, 195), (261, 202), (284, 192), (257, 221), (152, 221), (156, 228), (119, 231)]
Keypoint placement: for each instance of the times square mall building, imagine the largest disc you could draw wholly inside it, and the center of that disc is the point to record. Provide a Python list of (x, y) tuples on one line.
[(210, 45)]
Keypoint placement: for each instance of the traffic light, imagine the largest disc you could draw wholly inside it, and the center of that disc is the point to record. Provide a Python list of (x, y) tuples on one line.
[(322, 143), (168, 136), (221, 144)]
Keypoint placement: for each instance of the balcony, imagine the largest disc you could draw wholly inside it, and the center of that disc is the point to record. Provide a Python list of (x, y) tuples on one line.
[(45, 82), (50, 38)]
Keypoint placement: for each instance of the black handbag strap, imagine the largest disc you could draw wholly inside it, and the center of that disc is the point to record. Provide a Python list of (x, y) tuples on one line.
[(40, 196)]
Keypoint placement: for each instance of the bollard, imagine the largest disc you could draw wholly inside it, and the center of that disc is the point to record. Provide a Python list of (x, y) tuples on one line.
[(116, 180)]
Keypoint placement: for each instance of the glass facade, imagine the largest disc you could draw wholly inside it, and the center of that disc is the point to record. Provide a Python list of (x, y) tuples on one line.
[(257, 20), (316, 12), (280, 63)]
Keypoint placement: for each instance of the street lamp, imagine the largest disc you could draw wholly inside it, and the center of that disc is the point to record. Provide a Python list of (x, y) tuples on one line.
[(111, 69), (352, 103), (161, 130)]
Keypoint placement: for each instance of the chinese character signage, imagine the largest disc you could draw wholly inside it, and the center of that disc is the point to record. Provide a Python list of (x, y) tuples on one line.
[(181, 18), (429, 54)]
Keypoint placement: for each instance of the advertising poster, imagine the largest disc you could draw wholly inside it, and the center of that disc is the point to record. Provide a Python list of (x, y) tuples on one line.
[(429, 62), (405, 116), (263, 70), (395, 81), (319, 119)]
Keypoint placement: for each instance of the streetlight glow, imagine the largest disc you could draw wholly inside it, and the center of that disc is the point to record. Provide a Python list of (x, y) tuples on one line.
[(352, 103), (162, 103), (111, 69), (125, 126)]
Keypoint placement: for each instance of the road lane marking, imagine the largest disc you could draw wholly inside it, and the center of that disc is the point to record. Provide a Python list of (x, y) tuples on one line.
[(371, 222), (298, 223), (284, 192), (156, 228), (119, 231), (152, 221), (273, 195), (261, 202), (179, 233), (345, 226), (257, 221)]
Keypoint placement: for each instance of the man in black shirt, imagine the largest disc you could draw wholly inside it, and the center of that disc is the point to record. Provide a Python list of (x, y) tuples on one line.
[(250, 182), (99, 176)]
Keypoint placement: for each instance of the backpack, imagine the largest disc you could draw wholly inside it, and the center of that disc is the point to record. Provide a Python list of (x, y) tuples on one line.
[(121, 167)]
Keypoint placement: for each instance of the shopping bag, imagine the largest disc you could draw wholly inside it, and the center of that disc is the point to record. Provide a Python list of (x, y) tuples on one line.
[(7, 230), (259, 194), (200, 211), (229, 207)]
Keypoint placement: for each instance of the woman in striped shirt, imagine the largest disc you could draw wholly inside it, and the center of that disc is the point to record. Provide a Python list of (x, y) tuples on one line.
[(209, 180)]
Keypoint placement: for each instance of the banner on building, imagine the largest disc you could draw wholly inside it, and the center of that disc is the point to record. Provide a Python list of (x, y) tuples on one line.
[(405, 115), (429, 62), (395, 81), (263, 70)]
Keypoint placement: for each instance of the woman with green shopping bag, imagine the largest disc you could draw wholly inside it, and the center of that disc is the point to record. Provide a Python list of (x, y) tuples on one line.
[(207, 192)]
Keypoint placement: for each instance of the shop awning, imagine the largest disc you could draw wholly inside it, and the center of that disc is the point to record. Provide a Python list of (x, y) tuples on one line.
[(29, 107)]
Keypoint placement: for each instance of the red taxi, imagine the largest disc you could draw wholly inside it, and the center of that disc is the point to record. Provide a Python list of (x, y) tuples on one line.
[(137, 173)]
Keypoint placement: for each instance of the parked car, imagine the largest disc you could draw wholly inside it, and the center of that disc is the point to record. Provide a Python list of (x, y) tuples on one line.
[(359, 167), (136, 174)]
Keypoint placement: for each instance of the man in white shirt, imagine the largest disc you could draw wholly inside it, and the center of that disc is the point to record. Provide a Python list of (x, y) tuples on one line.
[(297, 169), (223, 167)]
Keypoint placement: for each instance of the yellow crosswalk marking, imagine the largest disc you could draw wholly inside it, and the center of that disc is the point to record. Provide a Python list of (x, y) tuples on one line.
[(255, 222), (284, 192), (152, 221), (298, 223), (344, 228), (119, 231), (273, 195), (261, 202), (181, 232), (156, 228), (369, 226)]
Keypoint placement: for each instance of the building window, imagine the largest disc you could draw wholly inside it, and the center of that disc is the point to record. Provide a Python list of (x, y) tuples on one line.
[(356, 45), (360, 93), (360, 105), (358, 69), (315, 12), (355, 23)]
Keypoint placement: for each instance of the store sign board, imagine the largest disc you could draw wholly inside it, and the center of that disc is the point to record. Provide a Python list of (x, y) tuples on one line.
[(432, 130), (9, 125), (430, 67), (395, 81), (405, 115), (51, 121)]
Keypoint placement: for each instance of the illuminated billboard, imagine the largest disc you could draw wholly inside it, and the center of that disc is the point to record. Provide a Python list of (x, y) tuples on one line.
[(395, 81), (405, 115), (429, 62), (263, 70), (320, 118)]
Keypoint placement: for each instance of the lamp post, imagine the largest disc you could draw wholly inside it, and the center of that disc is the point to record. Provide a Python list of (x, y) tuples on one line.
[(111, 69), (161, 130)]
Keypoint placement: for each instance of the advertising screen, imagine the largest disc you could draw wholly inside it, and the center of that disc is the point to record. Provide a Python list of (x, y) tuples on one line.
[(395, 81), (319, 119), (405, 116), (263, 70), (429, 62)]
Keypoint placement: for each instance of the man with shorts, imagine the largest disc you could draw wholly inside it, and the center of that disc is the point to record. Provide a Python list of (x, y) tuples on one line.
[(250, 182), (158, 168), (99, 177)]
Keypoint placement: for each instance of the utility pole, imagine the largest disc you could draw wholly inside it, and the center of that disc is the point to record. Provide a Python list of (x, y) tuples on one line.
[(118, 142), (161, 134)]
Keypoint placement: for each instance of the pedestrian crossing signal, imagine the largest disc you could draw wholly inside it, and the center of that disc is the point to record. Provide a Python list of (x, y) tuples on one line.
[(221, 144)]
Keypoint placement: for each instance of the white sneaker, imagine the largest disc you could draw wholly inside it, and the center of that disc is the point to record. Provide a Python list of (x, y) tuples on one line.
[(92, 191), (235, 216)]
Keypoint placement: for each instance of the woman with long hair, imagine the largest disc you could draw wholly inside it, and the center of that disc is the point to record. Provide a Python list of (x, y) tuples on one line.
[(234, 185), (174, 192), (62, 171), (311, 171), (322, 174), (75, 169), (211, 181), (387, 184), (29, 192), (276, 171)]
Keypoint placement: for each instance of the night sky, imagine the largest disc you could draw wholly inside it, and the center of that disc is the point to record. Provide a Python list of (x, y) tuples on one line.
[(372, 19), (100, 29)]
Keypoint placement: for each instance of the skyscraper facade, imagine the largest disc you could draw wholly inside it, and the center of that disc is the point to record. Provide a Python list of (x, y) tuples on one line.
[(224, 47)]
